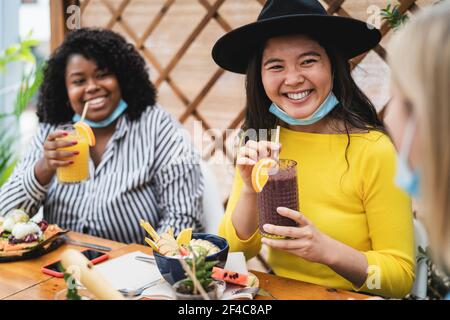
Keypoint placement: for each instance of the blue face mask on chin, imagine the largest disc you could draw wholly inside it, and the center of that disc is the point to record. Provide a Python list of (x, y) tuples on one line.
[(407, 178), (105, 122), (325, 108)]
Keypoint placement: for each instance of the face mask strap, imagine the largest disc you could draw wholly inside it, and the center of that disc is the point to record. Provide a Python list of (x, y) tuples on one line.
[(120, 109), (408, 138)]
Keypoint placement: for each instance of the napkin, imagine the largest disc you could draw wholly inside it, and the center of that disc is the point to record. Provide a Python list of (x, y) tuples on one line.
[(235, 262), (125, 272)]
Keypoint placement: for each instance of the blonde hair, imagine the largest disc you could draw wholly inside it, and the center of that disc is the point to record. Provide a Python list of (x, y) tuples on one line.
[(420, 66)]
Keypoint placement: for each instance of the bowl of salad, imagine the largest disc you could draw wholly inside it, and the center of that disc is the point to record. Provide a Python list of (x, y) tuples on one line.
[(168, 250)]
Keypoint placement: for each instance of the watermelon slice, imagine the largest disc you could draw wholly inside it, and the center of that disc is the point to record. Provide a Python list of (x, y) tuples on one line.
[(232, 277)]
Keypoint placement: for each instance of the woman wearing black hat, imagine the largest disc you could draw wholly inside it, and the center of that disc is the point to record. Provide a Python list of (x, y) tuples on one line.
[(355, 226)]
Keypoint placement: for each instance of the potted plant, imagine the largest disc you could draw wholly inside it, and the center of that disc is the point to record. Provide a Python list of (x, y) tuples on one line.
[(29, 85), (198, 283)]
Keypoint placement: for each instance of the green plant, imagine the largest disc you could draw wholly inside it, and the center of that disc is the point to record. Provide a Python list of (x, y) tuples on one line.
[(393, 16), (202, 270), (19, 52), (30, 82), (7, 158), (72, 291)]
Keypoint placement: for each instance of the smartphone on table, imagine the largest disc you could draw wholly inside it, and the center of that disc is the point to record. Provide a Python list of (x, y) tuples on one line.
[(55, 269)]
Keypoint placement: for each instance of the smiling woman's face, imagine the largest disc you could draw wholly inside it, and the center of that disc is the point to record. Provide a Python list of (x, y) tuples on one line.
[(85, 82), (296, 74)]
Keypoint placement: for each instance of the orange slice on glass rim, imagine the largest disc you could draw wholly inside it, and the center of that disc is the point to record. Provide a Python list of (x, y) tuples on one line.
[(260, 173), (85, 130)]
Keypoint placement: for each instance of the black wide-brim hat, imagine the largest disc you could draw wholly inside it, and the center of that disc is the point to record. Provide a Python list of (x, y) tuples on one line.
[(351, 37)]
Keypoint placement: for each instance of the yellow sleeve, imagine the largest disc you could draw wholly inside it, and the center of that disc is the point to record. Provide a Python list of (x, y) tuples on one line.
[(249, 247), (390, 222)]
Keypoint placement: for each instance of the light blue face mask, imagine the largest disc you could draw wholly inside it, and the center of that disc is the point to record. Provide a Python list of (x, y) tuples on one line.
[(325, 108), (105, 122), (407, 178)]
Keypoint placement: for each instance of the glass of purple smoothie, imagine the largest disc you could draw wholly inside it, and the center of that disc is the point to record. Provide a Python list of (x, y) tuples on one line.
[(281, 190)]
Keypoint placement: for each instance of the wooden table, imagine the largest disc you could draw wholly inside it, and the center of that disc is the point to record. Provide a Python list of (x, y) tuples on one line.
[(25, 281)]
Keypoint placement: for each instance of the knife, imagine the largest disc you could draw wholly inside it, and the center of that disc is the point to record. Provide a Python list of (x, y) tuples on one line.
[(87, 245)]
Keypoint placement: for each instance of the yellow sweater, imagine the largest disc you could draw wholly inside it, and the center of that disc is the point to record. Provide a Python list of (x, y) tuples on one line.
[(361, 207)]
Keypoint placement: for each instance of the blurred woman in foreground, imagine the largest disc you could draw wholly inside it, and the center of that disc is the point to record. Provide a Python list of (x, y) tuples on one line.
[(418, 118)]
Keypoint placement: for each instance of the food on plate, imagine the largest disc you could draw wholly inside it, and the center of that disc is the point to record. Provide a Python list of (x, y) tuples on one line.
[(151, 243), (26, 232), (198, 244), (246, 280), (167, 245), (15, 216), (148, 227), (18, 232)]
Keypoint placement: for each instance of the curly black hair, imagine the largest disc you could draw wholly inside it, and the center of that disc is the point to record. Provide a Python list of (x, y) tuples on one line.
[(110, 51)]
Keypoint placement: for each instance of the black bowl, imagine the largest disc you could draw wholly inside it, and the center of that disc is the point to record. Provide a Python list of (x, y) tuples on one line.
[(171, 268)]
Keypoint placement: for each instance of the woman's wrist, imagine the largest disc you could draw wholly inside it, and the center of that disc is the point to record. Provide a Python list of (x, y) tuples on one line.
[(331, 253), (346, 261), (42, 173), (248, 191), (245, 215)]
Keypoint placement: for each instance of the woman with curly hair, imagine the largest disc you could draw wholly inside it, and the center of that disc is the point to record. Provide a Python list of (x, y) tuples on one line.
[(142, 166)]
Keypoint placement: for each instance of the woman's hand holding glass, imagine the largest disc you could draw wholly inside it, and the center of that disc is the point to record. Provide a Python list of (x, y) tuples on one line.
[(54, 158), (245, 215), (304, 241)]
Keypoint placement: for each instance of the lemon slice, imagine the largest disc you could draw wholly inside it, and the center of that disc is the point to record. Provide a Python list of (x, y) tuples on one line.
[(184, 237), (85, 130), (260, 173)]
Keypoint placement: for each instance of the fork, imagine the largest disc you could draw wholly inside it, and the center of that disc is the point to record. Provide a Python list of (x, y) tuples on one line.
[(138, 291), (150, 259), (253, 291), (250, 290)]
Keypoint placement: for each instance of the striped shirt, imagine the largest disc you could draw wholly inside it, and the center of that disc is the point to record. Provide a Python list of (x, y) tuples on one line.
[(149, 171)]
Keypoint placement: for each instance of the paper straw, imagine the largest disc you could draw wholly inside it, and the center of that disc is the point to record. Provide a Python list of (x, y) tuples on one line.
[(85, 109), (277, 140)]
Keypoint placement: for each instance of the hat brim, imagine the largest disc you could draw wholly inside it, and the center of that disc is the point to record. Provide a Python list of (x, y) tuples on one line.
[(351, 37)]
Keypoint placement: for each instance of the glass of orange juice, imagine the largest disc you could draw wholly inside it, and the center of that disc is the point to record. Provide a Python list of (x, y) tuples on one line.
[(79, 170)]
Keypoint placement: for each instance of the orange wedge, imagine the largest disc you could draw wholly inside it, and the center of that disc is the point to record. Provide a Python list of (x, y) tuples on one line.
[(260, 173), (85, 130)]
